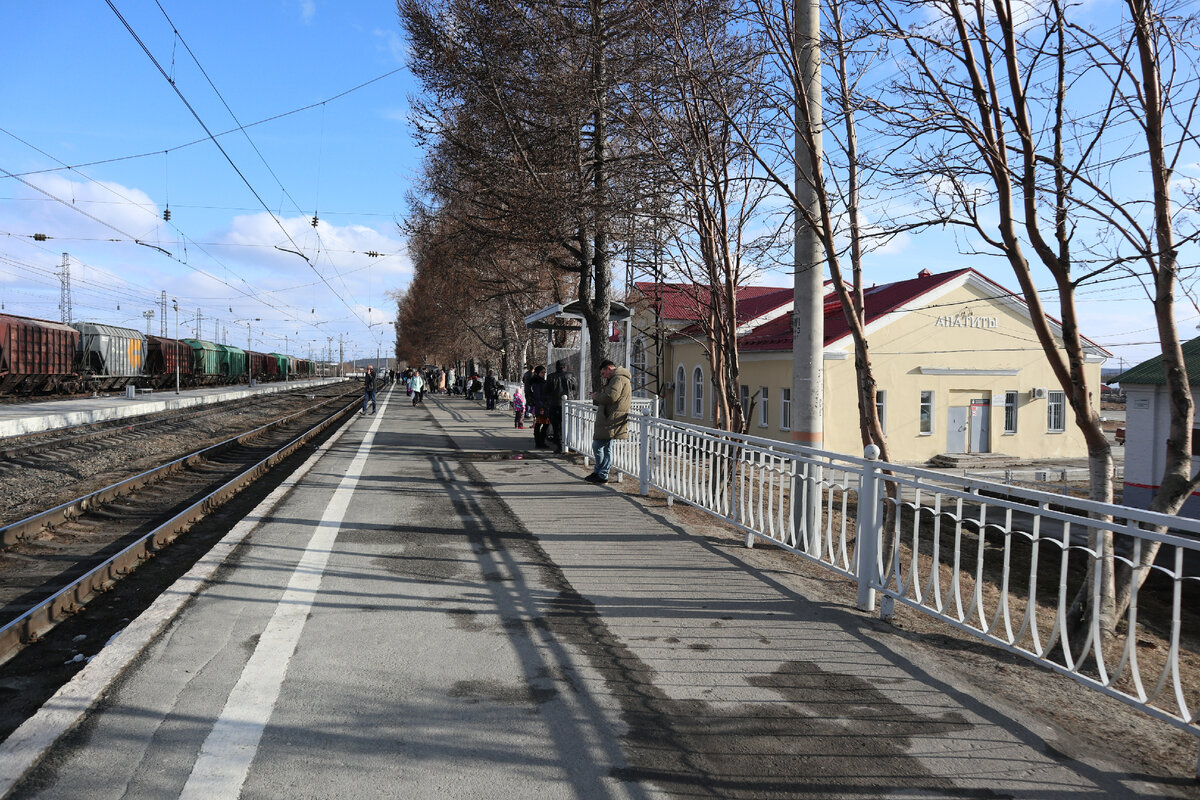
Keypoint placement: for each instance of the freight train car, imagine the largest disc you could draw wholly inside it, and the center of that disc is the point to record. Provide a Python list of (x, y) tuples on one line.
[(206, 361), (110, 357), (36, 355), (39, 356), (283, 364), (270, 367), (166, 358), (234, 364), (263, 367)]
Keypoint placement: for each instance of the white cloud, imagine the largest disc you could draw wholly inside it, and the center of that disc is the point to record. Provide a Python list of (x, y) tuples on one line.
[(392, 43), (55, 205)]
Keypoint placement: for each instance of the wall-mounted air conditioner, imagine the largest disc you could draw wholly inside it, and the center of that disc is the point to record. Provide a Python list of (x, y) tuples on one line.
[(1037, 394)]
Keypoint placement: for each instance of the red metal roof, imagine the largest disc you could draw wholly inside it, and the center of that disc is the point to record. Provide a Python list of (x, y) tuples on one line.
[(878, 301), (681, 302), (688, 301)]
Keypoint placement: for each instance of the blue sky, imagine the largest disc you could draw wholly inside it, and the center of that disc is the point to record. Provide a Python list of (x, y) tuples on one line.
[(80, 91), (79, 88)]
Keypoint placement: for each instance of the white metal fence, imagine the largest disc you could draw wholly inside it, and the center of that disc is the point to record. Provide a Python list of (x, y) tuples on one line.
[(999, 562)]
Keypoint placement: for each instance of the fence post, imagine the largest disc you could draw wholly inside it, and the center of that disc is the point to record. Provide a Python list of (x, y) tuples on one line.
[(644, 455), (869, 530), (563, 433)]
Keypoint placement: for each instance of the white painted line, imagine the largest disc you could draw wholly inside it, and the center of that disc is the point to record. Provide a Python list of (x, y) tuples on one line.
[(224, 761), (28, 744)]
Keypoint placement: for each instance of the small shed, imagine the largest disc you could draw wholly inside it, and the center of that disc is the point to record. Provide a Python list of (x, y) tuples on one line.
[(569, 317), (1147, 422)]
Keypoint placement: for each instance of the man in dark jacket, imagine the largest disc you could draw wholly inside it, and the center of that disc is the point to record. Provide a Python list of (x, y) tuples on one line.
[(491, 389), (526, 384), (536, 399), (369, 389), (558, 384)]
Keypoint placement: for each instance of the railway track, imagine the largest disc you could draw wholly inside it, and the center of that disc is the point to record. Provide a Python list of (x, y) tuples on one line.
[(39, 470), (57, 561)]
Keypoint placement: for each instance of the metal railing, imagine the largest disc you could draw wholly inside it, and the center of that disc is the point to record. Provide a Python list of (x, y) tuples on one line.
[(999, 562)]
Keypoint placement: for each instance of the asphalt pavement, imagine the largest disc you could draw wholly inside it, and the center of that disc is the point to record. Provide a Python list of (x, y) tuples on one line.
[(437, 609)]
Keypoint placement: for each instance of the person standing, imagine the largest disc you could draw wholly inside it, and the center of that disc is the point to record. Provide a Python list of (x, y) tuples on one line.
[(612, 402), (369, 389), (558, 384), (537, 401), (518, 407), (417, 384), (526, 380), (491, 390)]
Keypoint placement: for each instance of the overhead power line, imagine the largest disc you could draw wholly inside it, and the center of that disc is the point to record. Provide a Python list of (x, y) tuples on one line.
[(230, 160)]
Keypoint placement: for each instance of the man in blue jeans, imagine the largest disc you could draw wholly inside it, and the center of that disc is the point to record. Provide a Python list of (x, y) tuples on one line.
[(612, 403)]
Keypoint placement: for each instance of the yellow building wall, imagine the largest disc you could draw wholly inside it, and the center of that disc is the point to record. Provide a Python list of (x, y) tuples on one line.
[(962, 347)]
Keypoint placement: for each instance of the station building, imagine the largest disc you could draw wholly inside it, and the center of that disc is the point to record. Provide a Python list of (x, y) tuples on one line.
[(956, 359)]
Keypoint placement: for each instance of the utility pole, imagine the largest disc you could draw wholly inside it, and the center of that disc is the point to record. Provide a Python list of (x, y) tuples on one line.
[(149, 315), (64, 278), (162, 317), (341, 353), (199, 324), (178, 354), (808, 314)]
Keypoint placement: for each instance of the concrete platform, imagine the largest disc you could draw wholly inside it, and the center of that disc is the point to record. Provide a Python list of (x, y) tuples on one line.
[(25, 418), (433, 609)]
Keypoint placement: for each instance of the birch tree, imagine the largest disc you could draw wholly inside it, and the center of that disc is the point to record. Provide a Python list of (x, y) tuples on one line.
[(1056, 145)]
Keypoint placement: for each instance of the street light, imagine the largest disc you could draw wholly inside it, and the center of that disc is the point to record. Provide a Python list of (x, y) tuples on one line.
[(378, 341), (249, 378), (175, 303)]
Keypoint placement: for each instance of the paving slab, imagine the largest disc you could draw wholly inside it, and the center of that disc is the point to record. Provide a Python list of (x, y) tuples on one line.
[(437, 609)]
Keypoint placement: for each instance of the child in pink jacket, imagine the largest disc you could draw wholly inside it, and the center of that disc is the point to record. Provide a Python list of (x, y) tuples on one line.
[(518, 406)]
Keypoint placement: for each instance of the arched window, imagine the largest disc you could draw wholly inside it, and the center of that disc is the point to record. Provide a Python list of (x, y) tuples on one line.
[(680, 391), (698, 393)]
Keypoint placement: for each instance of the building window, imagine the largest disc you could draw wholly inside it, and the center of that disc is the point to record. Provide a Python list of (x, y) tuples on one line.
[(680, 392), (926, 413), (881, 409), (1010, 412), (1056, 408), (785, 409), (763, 407), (698, 393), (745, 402), (641, 377)]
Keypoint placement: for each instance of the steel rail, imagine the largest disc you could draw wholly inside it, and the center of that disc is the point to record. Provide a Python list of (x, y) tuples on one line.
[(45, 614), (27, 528), (116, 427)]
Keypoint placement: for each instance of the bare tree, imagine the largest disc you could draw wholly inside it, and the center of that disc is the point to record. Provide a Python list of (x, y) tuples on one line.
[(1022, 118), (715, 197), (838, 168), (520, 100)]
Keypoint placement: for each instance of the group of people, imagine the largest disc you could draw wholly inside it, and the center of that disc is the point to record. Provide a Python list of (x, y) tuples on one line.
[(416, 383), (613, 401), (541, 401)]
